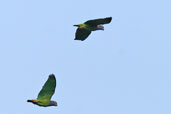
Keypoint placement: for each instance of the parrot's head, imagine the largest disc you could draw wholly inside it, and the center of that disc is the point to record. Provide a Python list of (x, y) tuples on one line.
[(100, 27), (53, 103)]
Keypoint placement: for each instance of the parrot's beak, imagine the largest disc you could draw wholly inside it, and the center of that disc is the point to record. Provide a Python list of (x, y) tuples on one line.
[(103, 28)]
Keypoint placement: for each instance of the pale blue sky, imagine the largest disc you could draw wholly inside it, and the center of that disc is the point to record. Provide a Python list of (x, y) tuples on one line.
[(122, 70)]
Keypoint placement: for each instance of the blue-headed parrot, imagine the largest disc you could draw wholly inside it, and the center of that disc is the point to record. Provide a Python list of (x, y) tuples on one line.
[(44, 96), (84, 30)]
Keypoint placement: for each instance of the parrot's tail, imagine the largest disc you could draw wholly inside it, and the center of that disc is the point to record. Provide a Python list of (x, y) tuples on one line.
[(29, 101), (76, 25), (32, 101)]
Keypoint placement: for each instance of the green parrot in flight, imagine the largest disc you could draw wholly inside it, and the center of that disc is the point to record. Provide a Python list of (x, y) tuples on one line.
[(84, 30), (44, 96)]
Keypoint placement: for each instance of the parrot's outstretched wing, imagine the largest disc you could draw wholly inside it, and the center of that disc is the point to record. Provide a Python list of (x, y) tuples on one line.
[(48, 89), (100, 21), (82, 34)]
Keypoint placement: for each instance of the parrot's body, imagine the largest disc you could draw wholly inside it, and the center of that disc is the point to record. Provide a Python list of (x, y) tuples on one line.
[(85, 29), (44, 96)]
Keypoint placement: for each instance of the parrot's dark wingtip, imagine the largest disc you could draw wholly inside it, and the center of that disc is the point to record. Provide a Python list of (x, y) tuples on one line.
[(109, 19), (51, 75), (78, 40)]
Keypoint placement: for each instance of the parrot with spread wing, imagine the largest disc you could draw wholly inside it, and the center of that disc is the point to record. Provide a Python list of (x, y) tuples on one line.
[(84, 30), (47, 91)]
